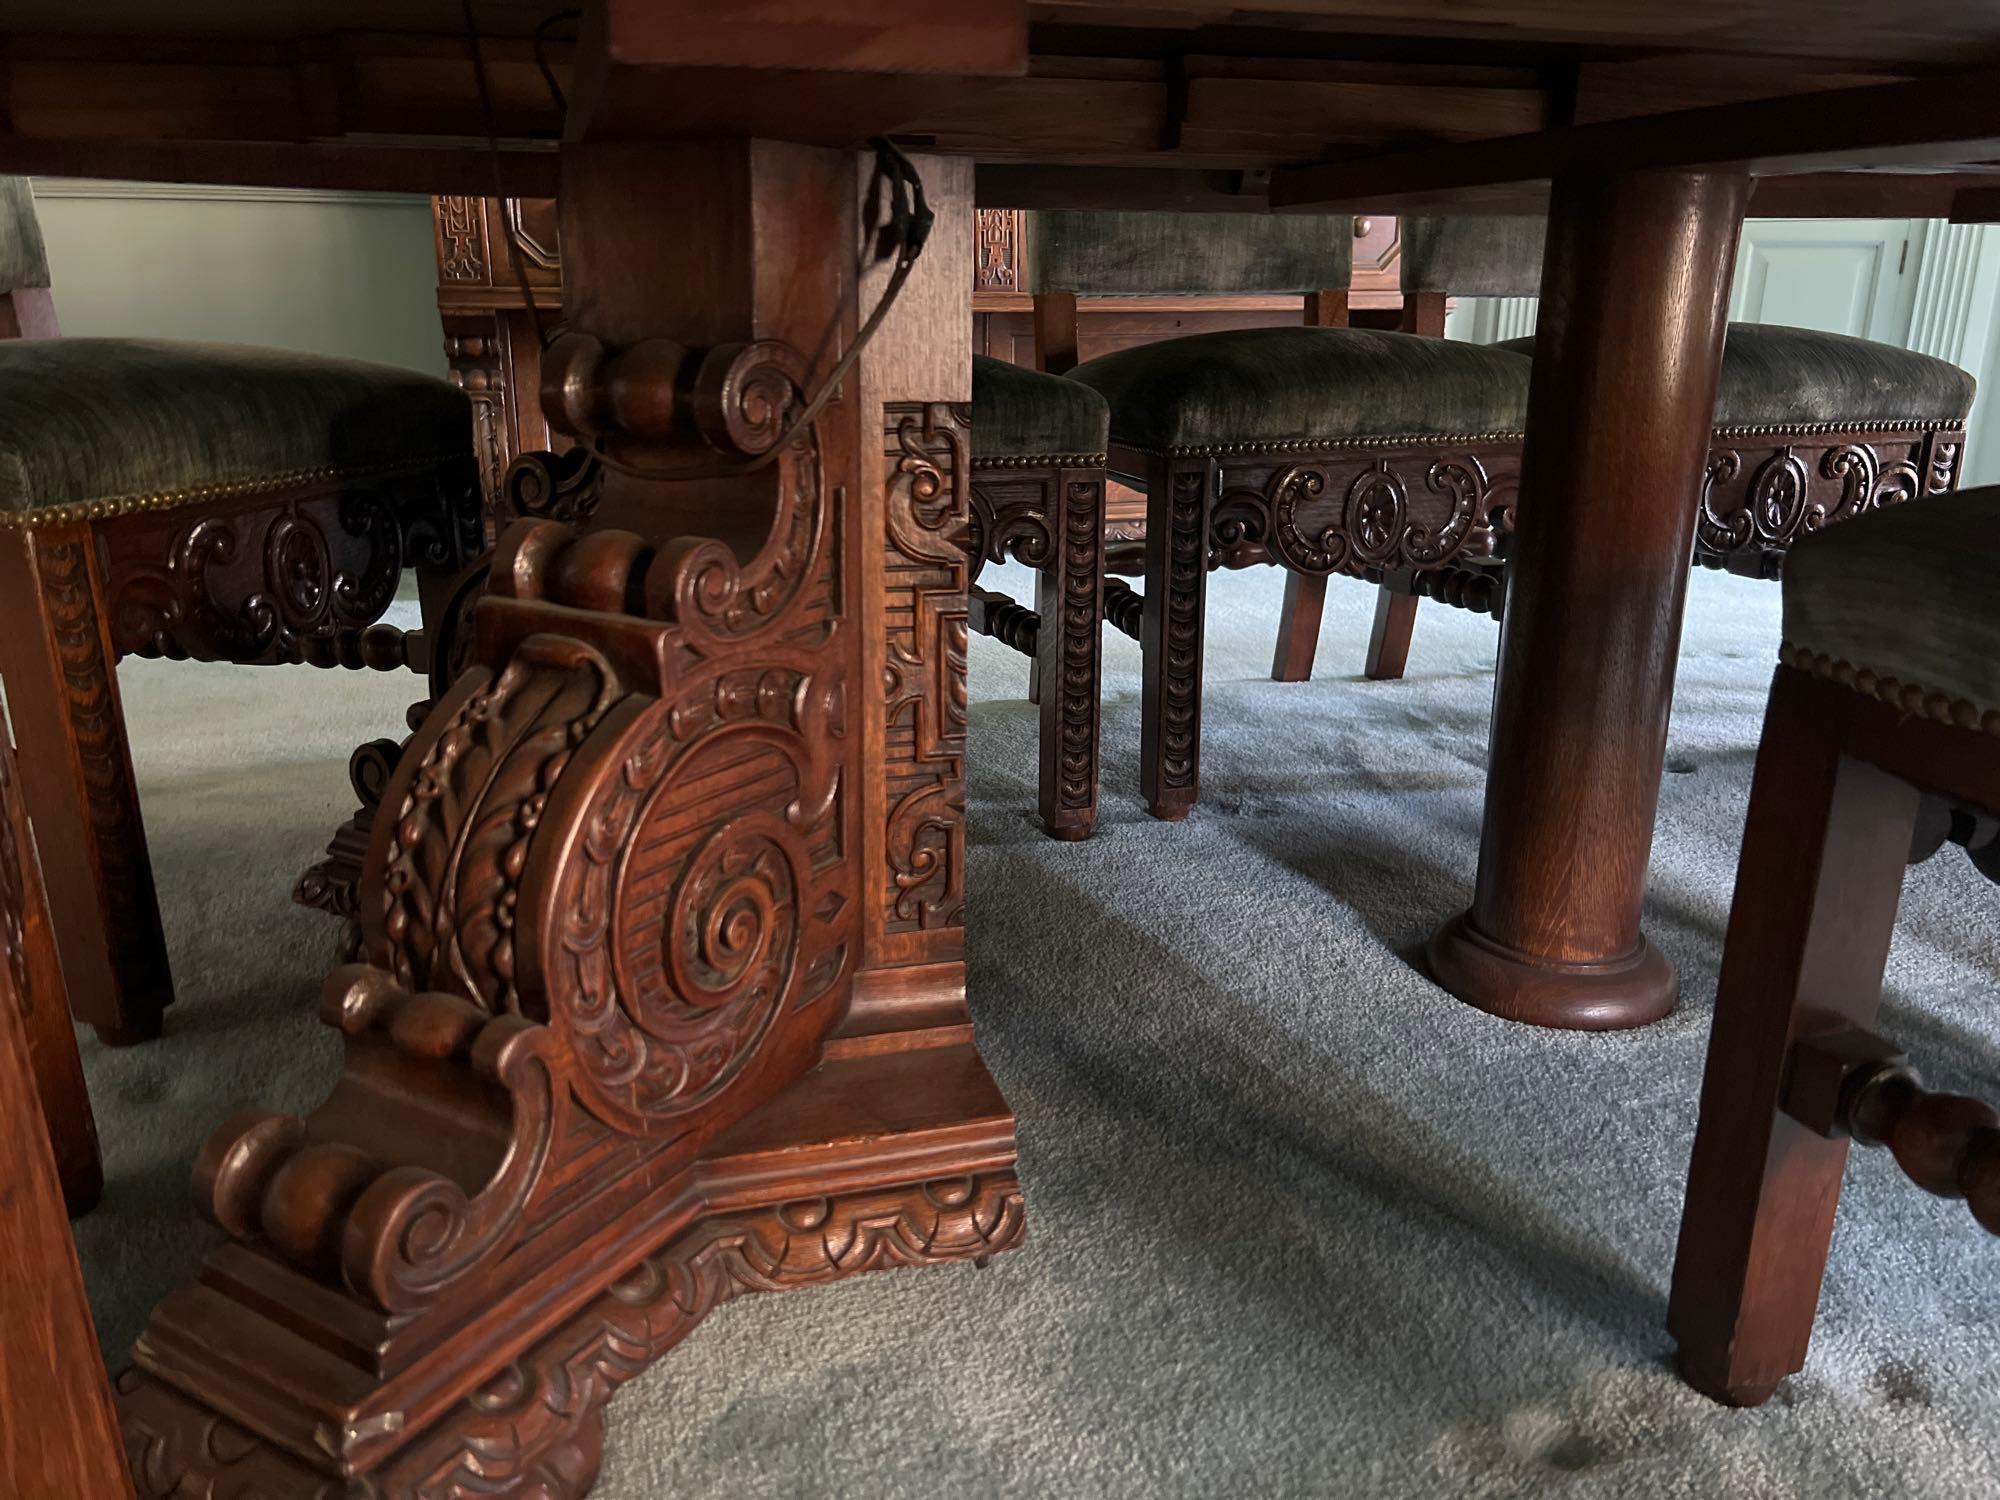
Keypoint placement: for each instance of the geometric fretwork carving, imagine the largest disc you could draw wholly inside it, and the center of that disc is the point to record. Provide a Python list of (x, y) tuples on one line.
[(925, 577)]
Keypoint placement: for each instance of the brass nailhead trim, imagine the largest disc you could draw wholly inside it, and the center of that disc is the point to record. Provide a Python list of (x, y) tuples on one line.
[(1308, 445), (1820, 429), (1043, 461), (1317, 445), (234, 489), (1912, 698)]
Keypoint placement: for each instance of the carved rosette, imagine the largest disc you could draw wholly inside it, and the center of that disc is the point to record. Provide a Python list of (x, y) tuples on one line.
[(1761, 500)]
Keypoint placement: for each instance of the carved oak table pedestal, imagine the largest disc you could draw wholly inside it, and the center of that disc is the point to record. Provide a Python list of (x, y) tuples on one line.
[(664, 991)]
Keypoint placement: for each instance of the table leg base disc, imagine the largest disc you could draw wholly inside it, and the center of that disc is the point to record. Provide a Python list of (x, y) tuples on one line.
[(1614, 995), (874, 1160)]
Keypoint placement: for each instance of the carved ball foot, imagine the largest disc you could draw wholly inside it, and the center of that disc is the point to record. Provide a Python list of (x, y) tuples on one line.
[(1614, 995)]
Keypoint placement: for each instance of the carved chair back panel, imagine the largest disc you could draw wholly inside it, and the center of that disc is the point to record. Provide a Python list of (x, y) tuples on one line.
[(1159, 254)]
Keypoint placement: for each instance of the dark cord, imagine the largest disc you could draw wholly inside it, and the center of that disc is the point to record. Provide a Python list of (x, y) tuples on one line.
[(538, 42), (898, 234), (899, 220), (520, 254)]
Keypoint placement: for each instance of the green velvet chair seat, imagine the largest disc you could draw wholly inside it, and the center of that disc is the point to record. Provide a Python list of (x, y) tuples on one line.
[(1911, 593), (1796, 377), (1019, 413), (1257, 386), (95, 420)]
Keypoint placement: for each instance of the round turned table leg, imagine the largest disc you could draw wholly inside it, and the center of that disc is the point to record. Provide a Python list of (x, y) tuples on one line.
[(1634, 297)]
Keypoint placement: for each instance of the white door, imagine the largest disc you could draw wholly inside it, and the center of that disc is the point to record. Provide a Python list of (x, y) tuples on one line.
[(1854, 276)]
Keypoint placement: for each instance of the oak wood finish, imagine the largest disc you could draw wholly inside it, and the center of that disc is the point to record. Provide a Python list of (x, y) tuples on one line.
[(1618, 418), (214, 88), (663, 999), (1831, 812), (1760, 492), (34, 977), (300, 573), (58, 1434), (1051, 517)]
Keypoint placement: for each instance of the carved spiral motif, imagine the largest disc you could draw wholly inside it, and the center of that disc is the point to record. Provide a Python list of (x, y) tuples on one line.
[(745, 393), (925, 524), (720, 601), (1329, 549), (563, 487)]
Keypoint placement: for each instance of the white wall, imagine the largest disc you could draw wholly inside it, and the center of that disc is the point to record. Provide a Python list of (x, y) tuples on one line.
[(322, 273)]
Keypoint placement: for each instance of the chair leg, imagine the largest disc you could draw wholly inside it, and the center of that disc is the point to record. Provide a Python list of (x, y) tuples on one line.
[(1035, 678), (1809, 931), (76, 771), (1069, 651), (1389, 642), (1178, 497), (28, 951), (1298, 627)]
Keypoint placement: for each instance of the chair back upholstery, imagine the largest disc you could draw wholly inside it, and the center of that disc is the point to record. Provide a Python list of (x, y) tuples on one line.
[(24, 259), (1473, 255), (1195, 255)]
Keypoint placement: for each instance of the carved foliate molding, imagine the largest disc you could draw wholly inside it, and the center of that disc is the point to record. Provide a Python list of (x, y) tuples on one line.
[(296, 578), (1766, 497), (1353, 512), (536, 1428)]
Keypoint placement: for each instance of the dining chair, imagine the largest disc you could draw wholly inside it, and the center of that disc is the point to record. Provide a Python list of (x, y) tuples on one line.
[(1811, 429), (1888, 688), (1322, 448), (58, 1432), (35, 1002), (192, 501), (1037, 496)]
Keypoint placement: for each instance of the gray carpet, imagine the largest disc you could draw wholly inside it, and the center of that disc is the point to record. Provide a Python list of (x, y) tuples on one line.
[(1300, 1225)]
